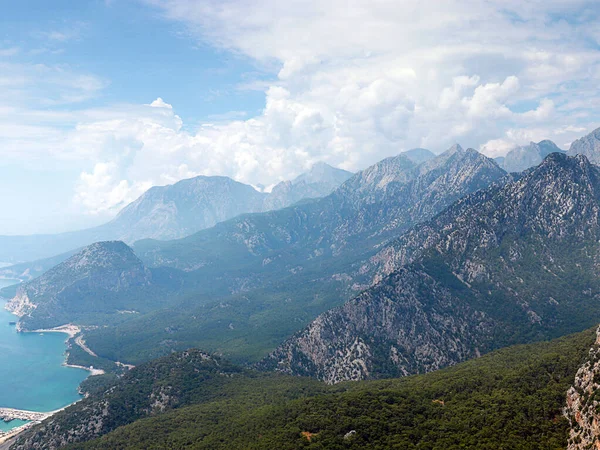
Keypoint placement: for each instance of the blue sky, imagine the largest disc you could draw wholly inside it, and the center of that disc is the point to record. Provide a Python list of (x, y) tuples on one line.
[(101, 99), (136, 52)]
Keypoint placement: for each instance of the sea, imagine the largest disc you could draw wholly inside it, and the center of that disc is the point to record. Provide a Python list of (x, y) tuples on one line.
[(32, 375)]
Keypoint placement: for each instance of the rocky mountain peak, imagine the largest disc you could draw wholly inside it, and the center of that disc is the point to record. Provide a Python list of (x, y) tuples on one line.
[(588, 145), (378, 176), (522, 158), (419, 155), (456, 148), (572, 167), (107, 254), (321, 172), (559, 198)]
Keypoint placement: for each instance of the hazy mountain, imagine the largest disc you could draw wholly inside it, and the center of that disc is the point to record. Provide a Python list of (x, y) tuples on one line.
[(588, 145), (319, 181), (383, 200), (419, 155), (175, 211), (302, 254), (512, 263), (29, 270), (522, 158)]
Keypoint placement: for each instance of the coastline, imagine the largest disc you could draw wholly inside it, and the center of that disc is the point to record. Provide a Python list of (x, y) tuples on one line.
[(10, 435), (71, 331), (7, 436)]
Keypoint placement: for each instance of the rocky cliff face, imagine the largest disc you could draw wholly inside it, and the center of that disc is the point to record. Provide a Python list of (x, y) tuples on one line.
[(583, 403), (589, 146), (410, 323), (557, 200), (514, 262)]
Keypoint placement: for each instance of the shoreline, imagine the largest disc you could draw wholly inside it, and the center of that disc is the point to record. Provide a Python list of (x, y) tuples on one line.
[(91, 370), (71, 331), (7, 436)]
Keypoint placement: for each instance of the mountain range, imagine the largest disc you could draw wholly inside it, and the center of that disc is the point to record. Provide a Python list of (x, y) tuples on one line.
[(177, 210), (415, 264), (522, 158), (256, 279), (511, 263)]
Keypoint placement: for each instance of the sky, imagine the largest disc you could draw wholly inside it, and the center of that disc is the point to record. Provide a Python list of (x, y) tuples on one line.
[(101, 99)]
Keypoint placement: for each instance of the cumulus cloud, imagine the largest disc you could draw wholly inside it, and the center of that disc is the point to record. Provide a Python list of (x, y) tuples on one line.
[(160, 103), (354, 82)]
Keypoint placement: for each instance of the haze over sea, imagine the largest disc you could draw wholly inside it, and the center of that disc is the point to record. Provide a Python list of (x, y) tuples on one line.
[(32, 376)]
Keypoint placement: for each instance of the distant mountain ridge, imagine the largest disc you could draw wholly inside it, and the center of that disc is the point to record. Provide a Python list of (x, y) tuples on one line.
[(589, 146), (319, 181), (522, 158), (419, 155), (175, 211), (382, 200)]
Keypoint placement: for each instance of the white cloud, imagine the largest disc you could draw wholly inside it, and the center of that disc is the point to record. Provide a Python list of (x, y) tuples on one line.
[(462, 65), (354, 82), (160, 103)]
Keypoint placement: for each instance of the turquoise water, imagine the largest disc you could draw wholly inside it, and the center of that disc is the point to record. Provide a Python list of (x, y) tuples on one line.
[(7, 426), (32, 376)]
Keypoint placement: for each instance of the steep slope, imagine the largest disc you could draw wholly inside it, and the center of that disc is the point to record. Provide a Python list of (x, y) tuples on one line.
[(522, 158), (583, 403), (512, 398), (589, 146), (513, 263), (99, 283)]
